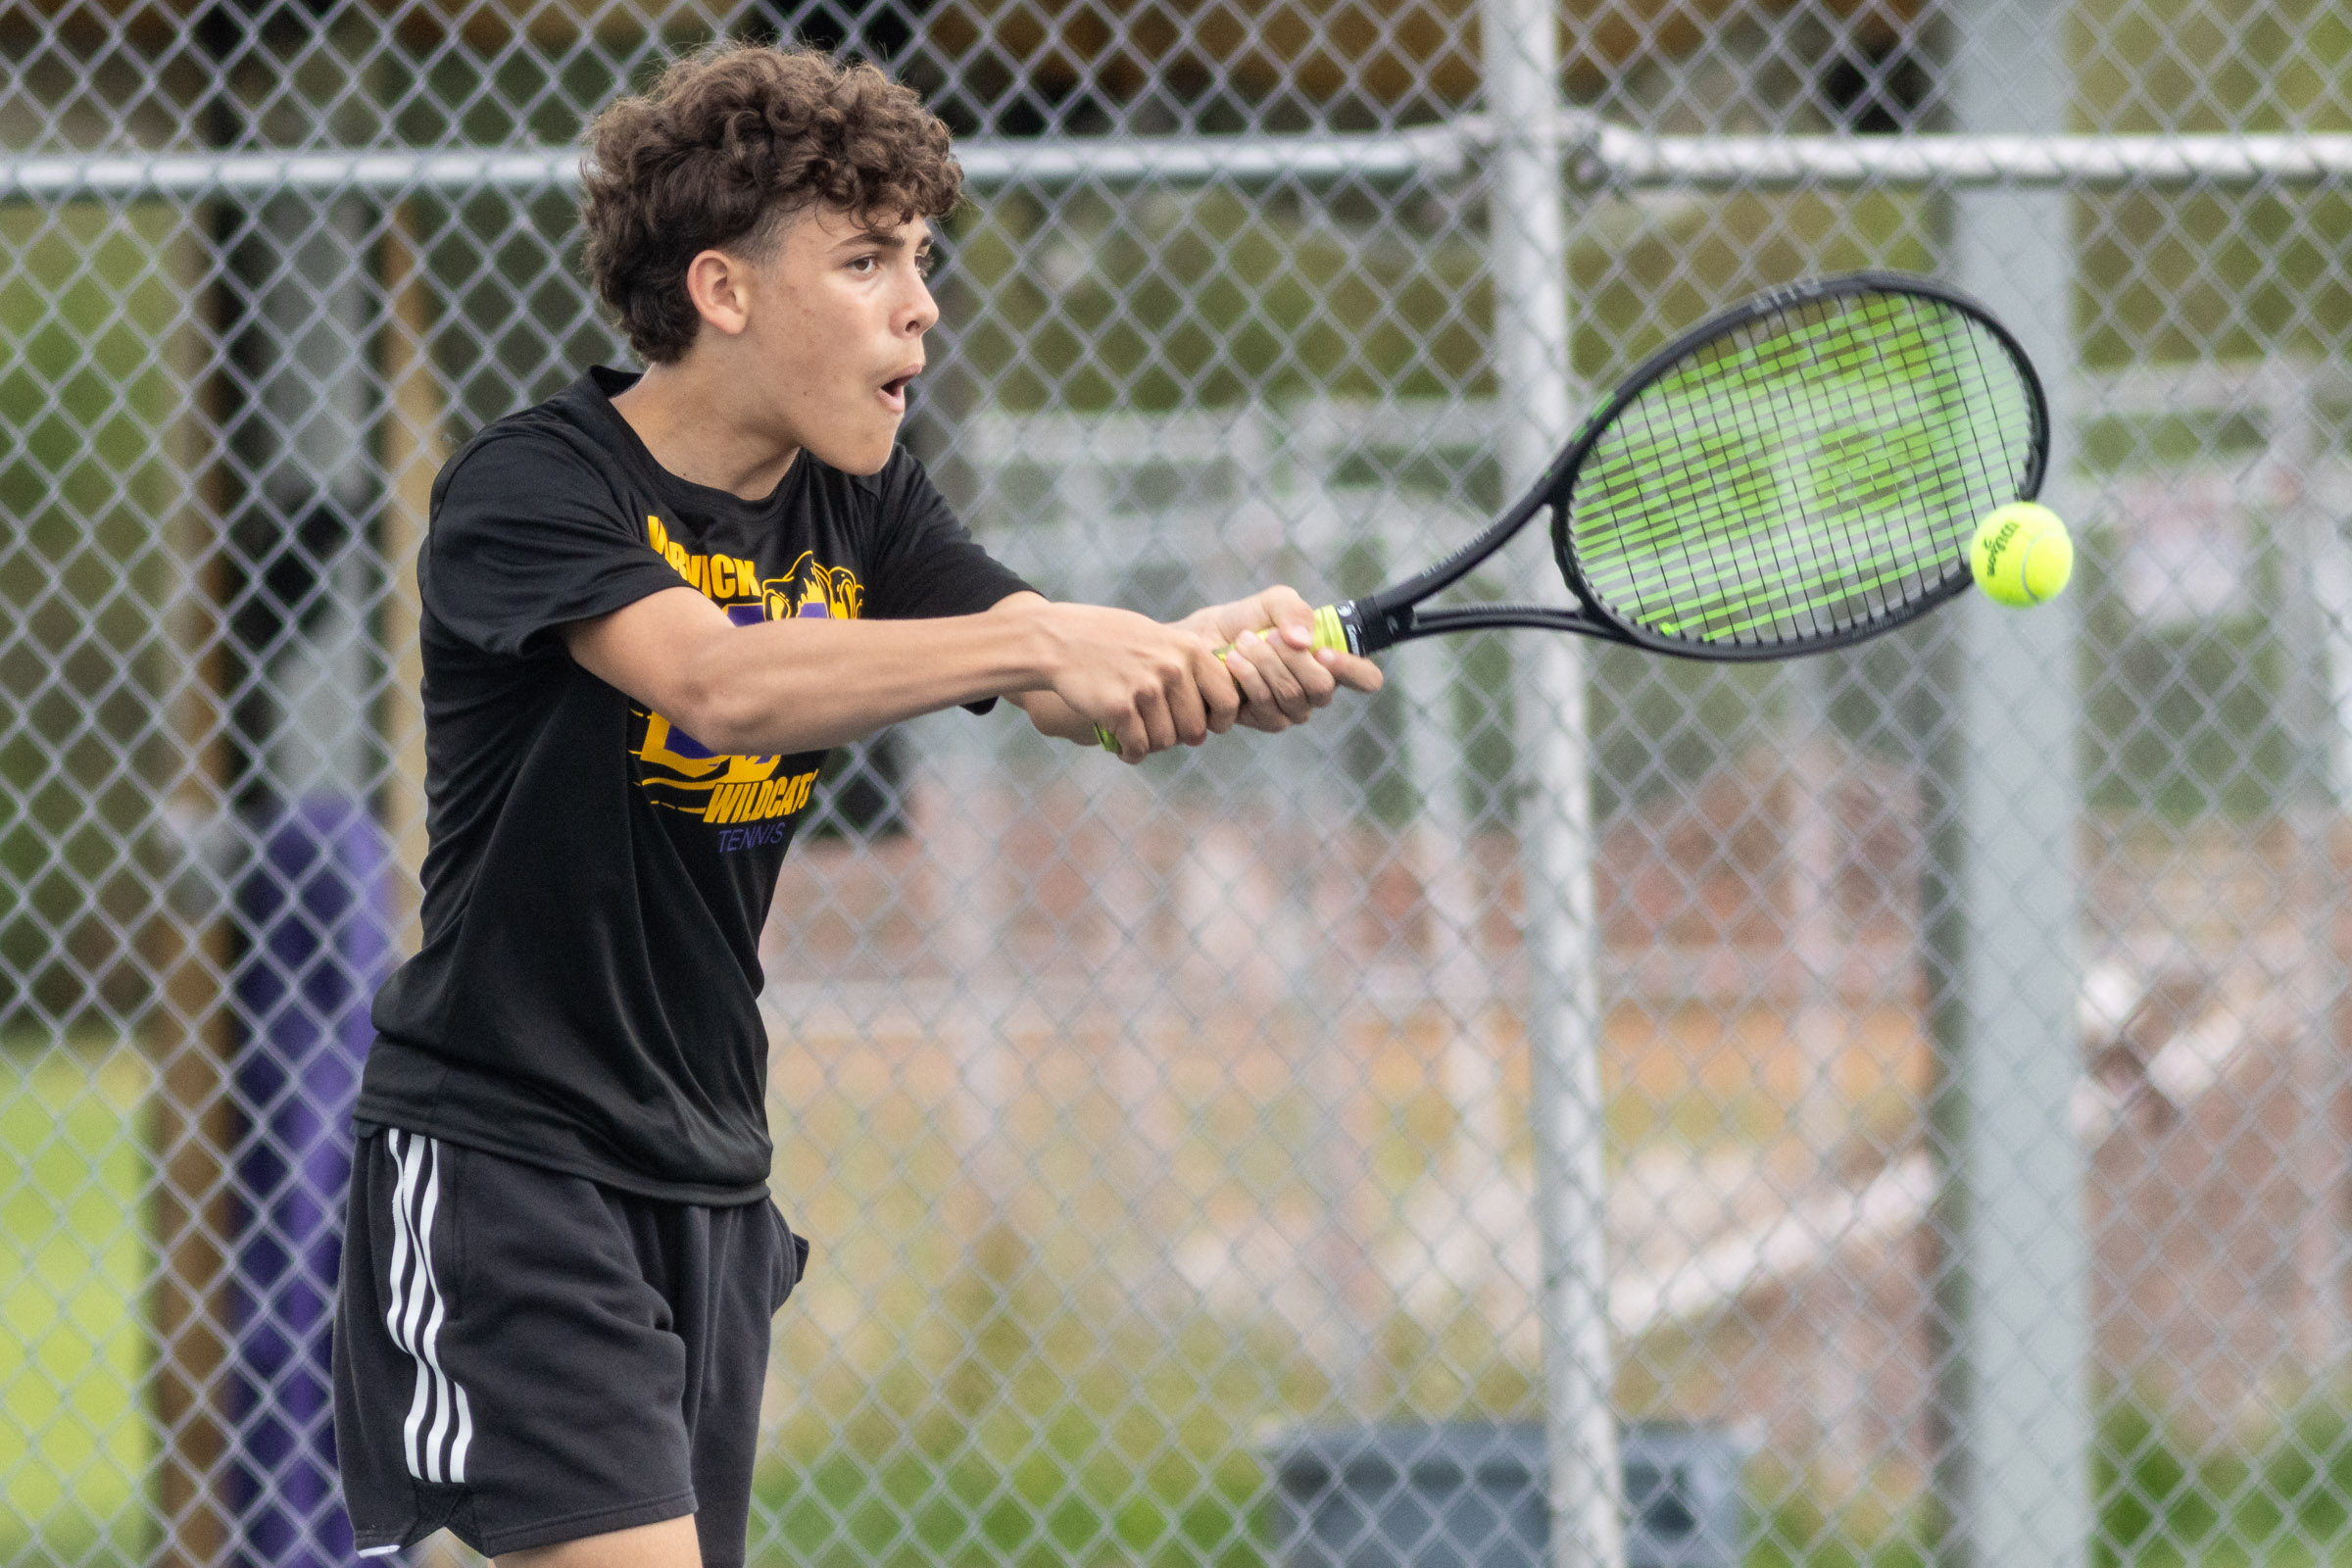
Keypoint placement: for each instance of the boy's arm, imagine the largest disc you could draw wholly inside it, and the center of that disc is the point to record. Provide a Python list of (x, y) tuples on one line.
[(787, 686)]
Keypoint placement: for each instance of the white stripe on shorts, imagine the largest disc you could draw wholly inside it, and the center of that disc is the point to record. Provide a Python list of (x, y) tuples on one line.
[(440, 1424)]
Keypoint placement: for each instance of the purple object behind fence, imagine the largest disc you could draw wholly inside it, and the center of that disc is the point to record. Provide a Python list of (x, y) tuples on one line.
[(313, 910)]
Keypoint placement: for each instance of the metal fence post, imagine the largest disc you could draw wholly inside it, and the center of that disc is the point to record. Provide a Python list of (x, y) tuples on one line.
[(1528, 232), (2016, 1291), (2308, 549)]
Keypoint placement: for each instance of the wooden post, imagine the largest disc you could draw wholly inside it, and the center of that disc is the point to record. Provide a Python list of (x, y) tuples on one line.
[(193, 1130), (192, 1126)]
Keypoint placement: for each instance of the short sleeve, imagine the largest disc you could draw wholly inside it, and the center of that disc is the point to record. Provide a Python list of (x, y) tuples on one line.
[(926, 563), (527, 538)]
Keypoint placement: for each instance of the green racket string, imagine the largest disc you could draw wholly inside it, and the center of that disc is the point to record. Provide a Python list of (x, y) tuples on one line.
[(1814, 471)]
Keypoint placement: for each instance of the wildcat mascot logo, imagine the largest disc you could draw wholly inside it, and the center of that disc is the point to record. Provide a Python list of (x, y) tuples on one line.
[(744, 795)]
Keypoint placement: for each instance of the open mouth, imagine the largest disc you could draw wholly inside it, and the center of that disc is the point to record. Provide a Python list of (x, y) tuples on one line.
[(894, 390)]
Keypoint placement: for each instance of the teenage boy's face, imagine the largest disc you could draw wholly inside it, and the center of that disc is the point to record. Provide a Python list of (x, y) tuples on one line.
[(841, 334)]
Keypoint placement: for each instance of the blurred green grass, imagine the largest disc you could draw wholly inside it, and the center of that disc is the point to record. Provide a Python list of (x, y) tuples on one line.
[(75, 1443), (2279, 1496), (1051, 1508), (2283, 1500)]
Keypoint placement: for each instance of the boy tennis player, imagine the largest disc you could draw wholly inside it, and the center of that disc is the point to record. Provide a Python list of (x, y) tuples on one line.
[(651, 603)]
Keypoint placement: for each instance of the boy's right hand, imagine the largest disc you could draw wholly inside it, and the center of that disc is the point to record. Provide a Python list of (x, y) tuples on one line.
[(1153, 686)]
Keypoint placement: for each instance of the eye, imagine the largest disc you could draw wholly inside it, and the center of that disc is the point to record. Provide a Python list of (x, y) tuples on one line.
[(868, 262), (926, 261)]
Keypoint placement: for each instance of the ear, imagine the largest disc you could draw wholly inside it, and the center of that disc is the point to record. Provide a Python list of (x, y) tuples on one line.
[(719, 286)]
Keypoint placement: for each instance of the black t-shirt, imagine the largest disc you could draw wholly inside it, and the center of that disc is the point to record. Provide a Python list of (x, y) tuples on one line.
[(585, 997)]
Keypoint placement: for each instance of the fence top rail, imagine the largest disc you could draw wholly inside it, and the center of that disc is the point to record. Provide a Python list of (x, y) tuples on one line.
[(1433, 152), (1617, 156), (1601, 154)]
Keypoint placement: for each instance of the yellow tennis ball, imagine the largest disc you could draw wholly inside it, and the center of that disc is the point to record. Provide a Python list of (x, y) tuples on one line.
[(2022, 554)]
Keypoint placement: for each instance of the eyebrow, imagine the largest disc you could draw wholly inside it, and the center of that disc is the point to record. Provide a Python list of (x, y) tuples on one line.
[(887, 238)]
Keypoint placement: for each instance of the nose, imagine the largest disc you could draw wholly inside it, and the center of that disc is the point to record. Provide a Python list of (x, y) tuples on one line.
[(920, 313)]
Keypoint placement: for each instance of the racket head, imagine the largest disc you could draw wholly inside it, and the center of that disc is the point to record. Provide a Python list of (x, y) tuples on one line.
[(1801, 472)]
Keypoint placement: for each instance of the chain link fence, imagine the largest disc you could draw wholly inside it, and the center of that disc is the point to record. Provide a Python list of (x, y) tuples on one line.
[(1960, 1018)]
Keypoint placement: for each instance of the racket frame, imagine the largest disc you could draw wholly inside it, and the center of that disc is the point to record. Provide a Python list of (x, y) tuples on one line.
[(1393, 614)]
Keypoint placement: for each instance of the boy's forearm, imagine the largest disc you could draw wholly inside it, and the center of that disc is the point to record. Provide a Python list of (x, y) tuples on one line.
[(781, 687), (806, 685)]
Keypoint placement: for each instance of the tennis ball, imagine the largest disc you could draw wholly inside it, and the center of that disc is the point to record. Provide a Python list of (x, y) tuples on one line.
[(2022, 554)]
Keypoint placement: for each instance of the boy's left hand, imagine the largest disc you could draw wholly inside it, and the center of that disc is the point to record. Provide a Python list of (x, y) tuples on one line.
[(1282, 675)]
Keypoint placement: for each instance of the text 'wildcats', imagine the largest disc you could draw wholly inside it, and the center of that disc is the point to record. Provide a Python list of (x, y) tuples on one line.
[(749, 803)]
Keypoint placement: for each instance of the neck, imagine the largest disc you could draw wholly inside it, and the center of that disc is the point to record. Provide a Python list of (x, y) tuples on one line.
[(696, 431)]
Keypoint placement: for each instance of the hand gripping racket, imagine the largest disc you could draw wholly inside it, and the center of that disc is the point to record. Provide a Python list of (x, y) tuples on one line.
[(1800, 472)]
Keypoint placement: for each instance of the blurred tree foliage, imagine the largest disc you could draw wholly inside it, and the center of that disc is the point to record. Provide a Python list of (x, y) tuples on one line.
[(90, 390), (2213, 275)]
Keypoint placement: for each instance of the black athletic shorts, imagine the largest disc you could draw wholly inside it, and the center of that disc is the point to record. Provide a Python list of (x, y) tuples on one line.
[(527, 1357)]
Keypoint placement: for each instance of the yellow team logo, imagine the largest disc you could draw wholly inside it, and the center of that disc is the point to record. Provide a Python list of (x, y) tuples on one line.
[(681, 773)]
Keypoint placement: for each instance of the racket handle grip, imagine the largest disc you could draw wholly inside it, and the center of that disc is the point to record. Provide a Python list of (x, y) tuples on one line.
[(1328, 633)]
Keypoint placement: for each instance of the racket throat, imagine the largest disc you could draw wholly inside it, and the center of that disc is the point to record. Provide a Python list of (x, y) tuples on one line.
[(1364, 626)]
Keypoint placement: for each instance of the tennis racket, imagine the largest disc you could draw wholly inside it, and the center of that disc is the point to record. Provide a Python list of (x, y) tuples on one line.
[(1800, 472)]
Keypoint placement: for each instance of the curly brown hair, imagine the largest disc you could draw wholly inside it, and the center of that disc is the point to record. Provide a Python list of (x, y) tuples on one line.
[(730, 142)]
